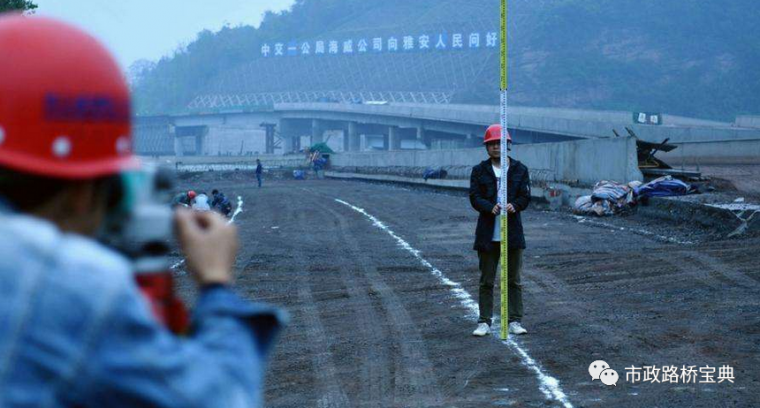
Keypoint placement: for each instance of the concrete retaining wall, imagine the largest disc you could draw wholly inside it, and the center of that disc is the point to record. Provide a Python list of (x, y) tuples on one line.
[(714, 152), (748, 121), (678, 134), (584, 162), (227, 163), (539, 192), (233, 140), (229, 134)]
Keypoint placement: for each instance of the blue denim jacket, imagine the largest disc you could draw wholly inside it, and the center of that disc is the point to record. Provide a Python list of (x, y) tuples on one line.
[(75, 331)]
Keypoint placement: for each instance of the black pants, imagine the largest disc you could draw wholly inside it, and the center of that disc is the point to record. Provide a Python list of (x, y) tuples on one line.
[(489, 261)]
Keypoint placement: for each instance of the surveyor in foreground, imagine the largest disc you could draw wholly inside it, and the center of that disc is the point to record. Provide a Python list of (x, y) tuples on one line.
[(484, 189), (74, 329)]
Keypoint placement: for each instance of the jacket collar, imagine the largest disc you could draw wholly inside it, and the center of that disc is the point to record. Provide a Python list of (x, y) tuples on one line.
[(513, 164), (5, 206)]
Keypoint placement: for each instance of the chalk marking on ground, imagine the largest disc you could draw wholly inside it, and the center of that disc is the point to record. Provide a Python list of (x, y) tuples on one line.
[(549, 385), (238, 210), (584, 220)]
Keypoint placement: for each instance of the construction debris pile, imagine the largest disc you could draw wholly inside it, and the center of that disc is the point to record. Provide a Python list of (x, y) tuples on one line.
[(610, 198)]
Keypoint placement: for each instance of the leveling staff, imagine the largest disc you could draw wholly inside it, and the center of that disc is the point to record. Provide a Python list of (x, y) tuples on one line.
[(484, 191)]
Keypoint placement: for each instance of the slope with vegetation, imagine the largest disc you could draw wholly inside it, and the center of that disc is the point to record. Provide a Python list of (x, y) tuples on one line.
[(26, 6), (690, 57)]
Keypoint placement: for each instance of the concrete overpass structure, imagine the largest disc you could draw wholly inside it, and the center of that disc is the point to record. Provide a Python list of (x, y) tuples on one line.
[(286, 127), (359, 126), (418, 126)]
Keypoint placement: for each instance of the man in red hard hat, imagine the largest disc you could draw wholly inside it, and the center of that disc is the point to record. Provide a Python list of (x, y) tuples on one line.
[(184, 198), (484, 198), (75, 330)]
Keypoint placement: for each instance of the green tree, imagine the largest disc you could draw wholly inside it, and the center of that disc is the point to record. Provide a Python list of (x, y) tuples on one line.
[(26, 6)]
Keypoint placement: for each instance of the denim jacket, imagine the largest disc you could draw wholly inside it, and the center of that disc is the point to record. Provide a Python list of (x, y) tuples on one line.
[(76, 332)]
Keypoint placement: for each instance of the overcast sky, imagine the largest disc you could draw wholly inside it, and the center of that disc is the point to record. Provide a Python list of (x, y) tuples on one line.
[(150, 29)]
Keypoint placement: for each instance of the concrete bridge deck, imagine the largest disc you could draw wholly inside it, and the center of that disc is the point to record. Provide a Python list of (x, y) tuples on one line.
[(403, 126)]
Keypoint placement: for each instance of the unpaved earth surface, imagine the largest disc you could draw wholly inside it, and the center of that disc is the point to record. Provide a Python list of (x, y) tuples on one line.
[(373, 327), (744, 179)]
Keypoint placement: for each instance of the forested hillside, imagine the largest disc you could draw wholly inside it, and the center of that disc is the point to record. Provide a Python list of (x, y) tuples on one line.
[(688, 57)]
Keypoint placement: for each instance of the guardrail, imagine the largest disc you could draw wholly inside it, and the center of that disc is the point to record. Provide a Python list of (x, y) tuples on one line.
[(239, 166)]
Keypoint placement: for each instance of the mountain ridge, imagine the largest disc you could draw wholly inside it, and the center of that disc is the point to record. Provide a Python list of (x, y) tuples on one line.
[(690, 58)]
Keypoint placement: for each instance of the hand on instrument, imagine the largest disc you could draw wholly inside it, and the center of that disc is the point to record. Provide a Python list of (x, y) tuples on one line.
[(511, 209), (496, 209)]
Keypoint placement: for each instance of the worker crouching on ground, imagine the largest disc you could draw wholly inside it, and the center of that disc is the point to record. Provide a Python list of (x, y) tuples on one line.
[(201, 202), (74, 329), (221, 203), (484, 189), (183, 199)]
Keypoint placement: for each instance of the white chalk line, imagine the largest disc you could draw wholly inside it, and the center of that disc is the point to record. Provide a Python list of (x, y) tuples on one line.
[(238, 210), (549, 385), (584, 220)]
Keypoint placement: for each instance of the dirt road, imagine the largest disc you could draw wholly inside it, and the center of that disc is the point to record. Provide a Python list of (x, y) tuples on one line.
[(745, 178), (380, 288)]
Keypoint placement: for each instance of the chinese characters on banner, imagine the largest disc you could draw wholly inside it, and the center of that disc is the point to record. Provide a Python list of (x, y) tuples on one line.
[(391, 44)]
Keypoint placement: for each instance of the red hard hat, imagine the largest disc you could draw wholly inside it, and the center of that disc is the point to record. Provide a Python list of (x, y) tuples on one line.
[(493, 133), (64, 103), (191, 194)]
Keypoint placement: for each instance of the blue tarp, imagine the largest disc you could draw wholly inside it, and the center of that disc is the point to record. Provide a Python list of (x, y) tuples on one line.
[(319, 163), (434, 173), (663, 187)]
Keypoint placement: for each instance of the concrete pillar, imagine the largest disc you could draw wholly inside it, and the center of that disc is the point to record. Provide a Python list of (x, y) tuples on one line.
[(346, 140), (291, 132), (472, 140), (363, 144), (394, 138), (286, 136), (421, 136), (199, 145), (269, 130), (354, 141), (316, 132), (269, 142), (289, 146), (178, 150)]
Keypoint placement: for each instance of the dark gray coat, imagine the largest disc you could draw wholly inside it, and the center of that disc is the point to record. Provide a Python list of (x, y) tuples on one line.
[(483, 197)]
